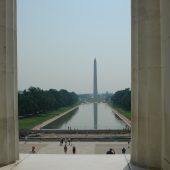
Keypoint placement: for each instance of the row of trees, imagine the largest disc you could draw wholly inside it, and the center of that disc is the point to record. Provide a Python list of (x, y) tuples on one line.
[(122, 99), (35, 100)]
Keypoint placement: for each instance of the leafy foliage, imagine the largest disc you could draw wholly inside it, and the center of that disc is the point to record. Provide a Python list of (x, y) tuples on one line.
[(35, 100), (122, 99)]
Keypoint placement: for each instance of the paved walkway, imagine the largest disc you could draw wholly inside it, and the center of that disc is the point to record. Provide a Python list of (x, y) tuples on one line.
[(89, 156), (81, 147), (72, 162)]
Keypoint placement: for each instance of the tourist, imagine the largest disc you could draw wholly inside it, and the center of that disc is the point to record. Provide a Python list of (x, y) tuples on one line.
[(26, 138), (33, 149), (128, 144), (62, 140), (69, 141), (65, 149), (65, 140), (110, 151), (74, 150), (123, 150)]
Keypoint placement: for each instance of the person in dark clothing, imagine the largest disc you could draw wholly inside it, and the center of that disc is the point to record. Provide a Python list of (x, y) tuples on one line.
[(61, 141), (110, 151), (74, 150), (123, 150), (33, 149), (65, 149), (69, 141)]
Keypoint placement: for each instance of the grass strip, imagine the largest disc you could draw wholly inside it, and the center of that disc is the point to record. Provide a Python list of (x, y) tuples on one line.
[(30, 122), (124, 112)]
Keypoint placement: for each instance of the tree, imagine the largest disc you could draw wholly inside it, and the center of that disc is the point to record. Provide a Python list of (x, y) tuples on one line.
[(122, 99), (35, 100)]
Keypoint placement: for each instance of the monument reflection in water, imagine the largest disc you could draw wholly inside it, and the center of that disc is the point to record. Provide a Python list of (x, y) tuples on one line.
[(95, 107), (88, 116)]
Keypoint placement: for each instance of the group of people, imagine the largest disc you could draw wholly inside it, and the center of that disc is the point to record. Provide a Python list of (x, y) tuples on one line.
[(112, 151), (73, 149), (65, 149), (69, 127), (65, 140)]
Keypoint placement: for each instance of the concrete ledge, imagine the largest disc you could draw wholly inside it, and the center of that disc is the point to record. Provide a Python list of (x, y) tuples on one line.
[(123, 118), (41, 125)]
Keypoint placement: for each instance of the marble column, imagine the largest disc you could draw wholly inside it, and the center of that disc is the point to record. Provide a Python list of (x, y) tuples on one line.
[(165, 49), (8, 83), (146, 84)]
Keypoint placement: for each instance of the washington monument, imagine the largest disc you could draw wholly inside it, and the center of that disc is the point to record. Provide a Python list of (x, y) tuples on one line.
[(95, 93)]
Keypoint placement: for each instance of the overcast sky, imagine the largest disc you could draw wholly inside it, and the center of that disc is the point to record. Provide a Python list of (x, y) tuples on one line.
[(59, 39)]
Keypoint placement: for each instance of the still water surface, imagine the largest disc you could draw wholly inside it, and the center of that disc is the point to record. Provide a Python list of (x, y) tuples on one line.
[(88, 116)]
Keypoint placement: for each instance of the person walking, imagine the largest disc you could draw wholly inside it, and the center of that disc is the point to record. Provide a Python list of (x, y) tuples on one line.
[(33, 149), (65, 148), (65, 140), (62, 140), (69, 141), (123, 150), (26, 138), (74, 150)]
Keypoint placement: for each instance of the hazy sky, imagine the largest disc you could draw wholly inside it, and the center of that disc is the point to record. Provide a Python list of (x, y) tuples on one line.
[(59, 39)]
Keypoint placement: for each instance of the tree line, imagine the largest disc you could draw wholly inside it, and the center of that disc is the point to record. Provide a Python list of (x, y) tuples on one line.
[(35, 100), (122, 98)]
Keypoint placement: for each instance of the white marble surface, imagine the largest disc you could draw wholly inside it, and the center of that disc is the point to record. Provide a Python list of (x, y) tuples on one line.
[(71, 162), (165, 50), (8, 83), (146, 83)]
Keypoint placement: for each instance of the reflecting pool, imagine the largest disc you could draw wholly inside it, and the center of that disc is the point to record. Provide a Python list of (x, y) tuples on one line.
[(88, 116)]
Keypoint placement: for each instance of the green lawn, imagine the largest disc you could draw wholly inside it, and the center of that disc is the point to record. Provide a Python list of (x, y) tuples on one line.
[(29, 123), (124, 112)]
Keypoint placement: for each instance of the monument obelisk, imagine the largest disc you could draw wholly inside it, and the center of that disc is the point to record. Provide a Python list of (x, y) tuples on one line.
[(95, 93)]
